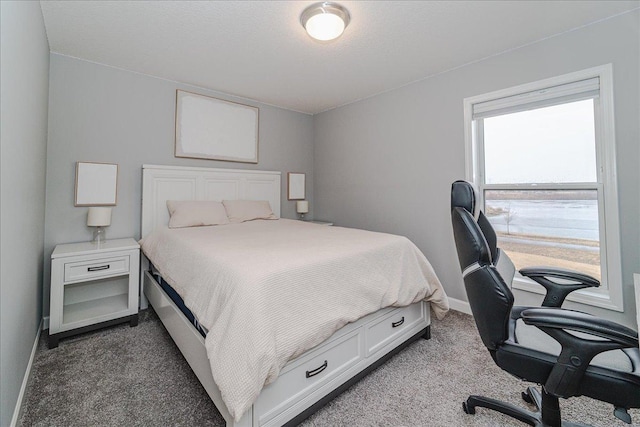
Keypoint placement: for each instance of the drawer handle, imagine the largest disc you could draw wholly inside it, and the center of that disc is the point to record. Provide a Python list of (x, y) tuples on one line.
[(398, 323), (314, 372), (100, 267)]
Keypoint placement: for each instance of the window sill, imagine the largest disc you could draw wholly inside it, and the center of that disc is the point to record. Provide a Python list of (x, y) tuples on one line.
[(597, 298)]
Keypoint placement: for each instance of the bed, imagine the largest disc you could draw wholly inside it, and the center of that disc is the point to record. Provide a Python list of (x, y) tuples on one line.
[(301, 377)]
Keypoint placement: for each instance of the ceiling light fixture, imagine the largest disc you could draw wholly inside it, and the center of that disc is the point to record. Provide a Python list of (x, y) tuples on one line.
[(325, 21)]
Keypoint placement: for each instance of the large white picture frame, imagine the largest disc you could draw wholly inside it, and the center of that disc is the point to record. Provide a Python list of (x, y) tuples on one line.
[(215, 129)]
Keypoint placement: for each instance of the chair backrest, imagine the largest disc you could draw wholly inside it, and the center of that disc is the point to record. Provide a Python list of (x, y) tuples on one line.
[(488, 292), (463, 194)]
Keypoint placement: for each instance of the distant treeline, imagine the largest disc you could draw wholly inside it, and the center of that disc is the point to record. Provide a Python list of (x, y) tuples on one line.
[(541, 195)]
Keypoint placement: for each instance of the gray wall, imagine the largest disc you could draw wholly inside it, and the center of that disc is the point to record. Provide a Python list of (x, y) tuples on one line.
[(386, 163), (25, 76), (104, 114)]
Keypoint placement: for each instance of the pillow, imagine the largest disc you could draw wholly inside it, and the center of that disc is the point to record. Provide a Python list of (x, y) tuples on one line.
[(195, 213), (246, 210)]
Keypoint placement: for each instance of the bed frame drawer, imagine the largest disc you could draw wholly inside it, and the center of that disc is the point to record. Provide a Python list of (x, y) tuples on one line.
[(389, 327), (92, 269), (309, 373)]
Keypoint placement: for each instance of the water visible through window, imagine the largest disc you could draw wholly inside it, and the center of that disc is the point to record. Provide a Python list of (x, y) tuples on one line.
[(556, 228)]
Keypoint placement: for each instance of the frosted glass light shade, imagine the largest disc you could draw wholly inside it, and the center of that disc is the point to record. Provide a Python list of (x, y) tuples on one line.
[(325, 21), (325, 27), (99, 217)]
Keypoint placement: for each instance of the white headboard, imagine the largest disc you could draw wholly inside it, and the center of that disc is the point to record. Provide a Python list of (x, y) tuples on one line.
[(162, 183)]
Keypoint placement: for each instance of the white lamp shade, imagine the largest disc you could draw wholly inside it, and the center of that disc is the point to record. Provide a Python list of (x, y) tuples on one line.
[(302, 206), (99, 217)]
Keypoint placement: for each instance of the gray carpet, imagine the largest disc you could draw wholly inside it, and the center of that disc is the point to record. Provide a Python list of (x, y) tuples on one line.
[(125, 376)]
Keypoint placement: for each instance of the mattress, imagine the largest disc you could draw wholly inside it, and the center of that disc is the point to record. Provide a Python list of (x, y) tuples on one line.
[(269, 290), (178, 301)]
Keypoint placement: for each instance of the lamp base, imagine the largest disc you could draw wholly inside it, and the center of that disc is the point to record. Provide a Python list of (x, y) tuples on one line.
[(301, 216), (99, 235)]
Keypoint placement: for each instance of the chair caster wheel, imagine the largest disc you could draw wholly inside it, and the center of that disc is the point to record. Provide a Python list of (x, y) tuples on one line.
[(467, 409), (526, 397)]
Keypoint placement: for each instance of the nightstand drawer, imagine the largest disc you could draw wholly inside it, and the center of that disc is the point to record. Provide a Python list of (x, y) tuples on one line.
[(92, 269)]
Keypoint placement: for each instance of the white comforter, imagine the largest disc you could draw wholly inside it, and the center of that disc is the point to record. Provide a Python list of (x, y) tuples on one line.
[(268, 291)]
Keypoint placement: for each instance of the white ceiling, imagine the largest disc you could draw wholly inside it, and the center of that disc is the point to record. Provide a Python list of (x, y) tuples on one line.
[(259, 50)]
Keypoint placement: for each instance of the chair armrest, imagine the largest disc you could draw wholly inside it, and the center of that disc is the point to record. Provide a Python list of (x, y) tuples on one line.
[(558, 291), (580, 322), (577, 352)]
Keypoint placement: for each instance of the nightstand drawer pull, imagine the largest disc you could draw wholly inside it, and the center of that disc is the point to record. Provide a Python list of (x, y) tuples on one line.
[(398, 323), (314, 372), (92, 269)]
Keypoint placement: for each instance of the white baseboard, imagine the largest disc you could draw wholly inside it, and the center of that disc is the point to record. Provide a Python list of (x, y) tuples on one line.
[(45, 323), (459, 305), (17, 412)]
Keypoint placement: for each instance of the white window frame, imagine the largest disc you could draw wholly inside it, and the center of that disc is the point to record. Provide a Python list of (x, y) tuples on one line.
[(609, 295)]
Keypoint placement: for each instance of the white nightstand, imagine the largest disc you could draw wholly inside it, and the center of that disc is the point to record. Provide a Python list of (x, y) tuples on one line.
[(93, 286), (321, 222)]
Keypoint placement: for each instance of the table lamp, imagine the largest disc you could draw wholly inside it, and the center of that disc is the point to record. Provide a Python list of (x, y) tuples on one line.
[(302, 207), (99, 217)]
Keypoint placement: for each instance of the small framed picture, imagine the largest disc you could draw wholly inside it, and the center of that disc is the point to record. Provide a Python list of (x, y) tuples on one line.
[(96, 184), (296, 186)]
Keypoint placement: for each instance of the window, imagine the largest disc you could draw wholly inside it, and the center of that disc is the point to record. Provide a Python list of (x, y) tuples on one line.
[(543, 158)]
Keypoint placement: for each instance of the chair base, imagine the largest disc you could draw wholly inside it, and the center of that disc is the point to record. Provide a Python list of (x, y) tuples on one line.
[(544, 403)]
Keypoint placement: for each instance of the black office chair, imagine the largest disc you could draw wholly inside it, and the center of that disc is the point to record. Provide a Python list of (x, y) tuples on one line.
[(569, 353)]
